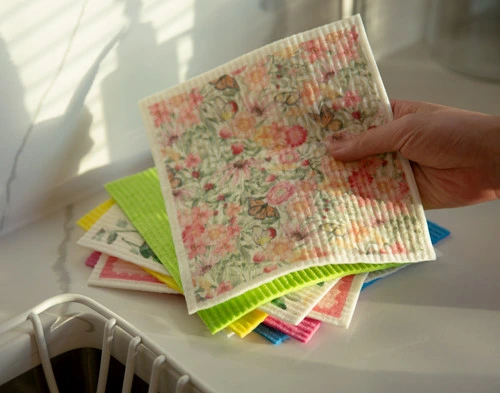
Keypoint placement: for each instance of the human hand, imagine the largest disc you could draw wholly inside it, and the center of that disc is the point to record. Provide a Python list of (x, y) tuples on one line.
[(454, 153)]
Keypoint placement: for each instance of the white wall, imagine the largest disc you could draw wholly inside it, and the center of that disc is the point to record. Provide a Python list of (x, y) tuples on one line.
[(47, 46)]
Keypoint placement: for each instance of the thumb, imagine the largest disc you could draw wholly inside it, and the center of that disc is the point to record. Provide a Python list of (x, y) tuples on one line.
[(383, 139)]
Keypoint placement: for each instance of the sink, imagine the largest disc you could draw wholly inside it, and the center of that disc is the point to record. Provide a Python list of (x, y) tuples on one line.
[(80, 337), (76, 371)]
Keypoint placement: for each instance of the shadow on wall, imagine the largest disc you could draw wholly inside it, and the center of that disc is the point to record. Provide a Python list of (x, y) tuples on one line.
[(216, 37), (136, 76), (267, 21), (31, 171), (215, 32)]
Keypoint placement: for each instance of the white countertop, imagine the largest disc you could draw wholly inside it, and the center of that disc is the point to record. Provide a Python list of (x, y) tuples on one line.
[(432, 327)]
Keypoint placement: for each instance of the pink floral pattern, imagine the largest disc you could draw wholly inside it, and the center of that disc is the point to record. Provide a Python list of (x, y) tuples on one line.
[(334, 301), (112, 272), (116, 268), (249, 152), (338, 305)]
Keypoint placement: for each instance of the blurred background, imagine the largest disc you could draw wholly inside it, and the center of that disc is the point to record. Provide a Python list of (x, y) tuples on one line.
[(69, 122)]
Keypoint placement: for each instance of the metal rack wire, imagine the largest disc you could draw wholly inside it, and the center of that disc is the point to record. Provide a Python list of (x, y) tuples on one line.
[(161, 362)]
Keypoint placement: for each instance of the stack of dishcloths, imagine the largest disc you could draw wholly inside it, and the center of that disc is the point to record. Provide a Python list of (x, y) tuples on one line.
[(246, 213)]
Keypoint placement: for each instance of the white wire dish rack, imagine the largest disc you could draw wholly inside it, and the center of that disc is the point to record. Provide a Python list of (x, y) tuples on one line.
[(71, 343)]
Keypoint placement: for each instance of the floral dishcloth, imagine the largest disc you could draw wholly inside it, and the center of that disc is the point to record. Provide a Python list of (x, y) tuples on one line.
[(112, 272), (114, 234), (295, 306), (139, 196), (242, 326), (107, 225), (437, 233), (252, 193), (337, 307)]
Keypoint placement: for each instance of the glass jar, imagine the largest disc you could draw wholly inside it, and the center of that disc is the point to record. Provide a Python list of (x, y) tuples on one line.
[(464, 35)]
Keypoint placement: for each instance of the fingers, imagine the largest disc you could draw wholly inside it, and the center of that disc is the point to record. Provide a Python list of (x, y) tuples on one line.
[(401, 108), (386, 138)]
